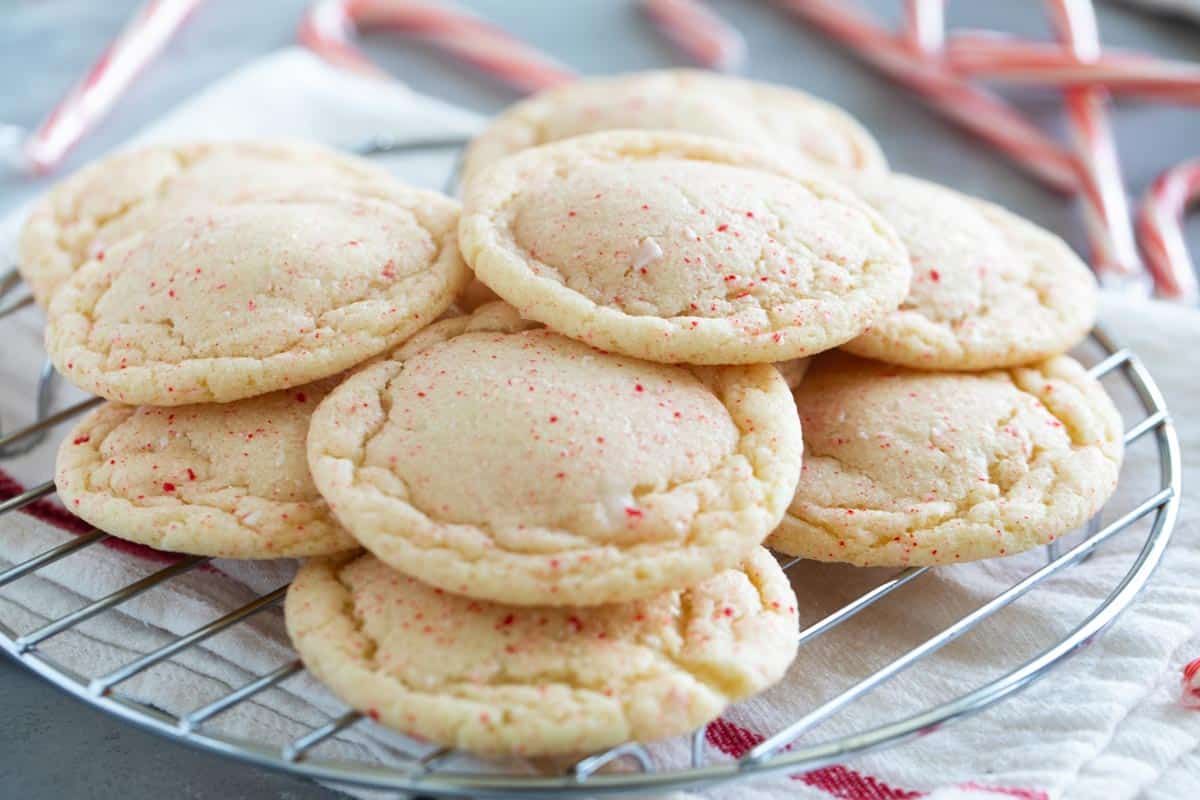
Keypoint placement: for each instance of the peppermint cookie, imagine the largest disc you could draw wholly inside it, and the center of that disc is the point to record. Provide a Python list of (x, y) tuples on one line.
[(679, 248), (689, 101), (909, 467), (794, 371), (512, 464), (249, 298), (989, 289), (132, 192), (509, 680), (227, 480)]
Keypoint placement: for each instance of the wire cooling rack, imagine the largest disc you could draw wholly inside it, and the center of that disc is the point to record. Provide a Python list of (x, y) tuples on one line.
[(431, 774)]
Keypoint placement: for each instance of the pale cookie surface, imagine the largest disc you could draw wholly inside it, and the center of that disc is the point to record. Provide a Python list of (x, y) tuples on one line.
[(250, 298), (134, 191), (516, 465), (507, 680), (218, 479), (682, 100), (678, 248), (989, 289), (909, 467)]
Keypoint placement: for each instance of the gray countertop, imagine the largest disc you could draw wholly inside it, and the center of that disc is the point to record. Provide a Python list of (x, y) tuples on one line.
[(52, 746)]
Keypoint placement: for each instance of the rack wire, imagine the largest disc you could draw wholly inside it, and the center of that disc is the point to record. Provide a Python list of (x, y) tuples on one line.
[(430, 775)]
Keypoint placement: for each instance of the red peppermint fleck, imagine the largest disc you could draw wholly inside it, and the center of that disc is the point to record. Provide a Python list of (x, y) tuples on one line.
[(722, 228), (639, 388), (634, 513), (727, 611), (504, 623), (99, 255), (934, 275), (553, 419), (389, 270), (731, 277), (575, 622), (81, 439), (191, 475), (750, 214), (373, 714), (570, 213), (168, 487)]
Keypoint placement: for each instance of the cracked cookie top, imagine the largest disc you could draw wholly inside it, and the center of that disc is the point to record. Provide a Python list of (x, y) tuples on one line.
[(503, 461), (238, 300), (683, 100), (508, 680), (989, 289), (228, 480), (679, 248), (908, 467), (133, 191)]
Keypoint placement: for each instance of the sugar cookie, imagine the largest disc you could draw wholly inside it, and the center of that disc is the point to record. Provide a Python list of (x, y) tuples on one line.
[(684, 100), (133, 191), (989, 289), (909, 467), (218, 479), (679, 248), (510, 463), (250, 298), (531, 681)]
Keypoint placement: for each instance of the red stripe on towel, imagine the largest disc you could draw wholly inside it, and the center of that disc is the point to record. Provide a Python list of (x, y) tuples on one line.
[(837, 780)]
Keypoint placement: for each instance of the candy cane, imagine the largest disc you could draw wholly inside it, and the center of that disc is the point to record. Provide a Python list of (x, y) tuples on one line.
[(978, 111), (1159, 226), (329, 26), (1012, 60), (698, 32), (95, 94), (1106, 212), (925, 25)]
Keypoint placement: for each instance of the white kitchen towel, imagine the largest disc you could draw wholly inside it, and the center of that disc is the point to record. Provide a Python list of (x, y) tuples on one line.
[(1105, 724)]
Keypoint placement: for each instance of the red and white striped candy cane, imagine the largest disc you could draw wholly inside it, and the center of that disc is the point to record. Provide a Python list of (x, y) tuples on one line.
[(1159, 227), (329, 26), (91, 98), (698, 32), (1106, 211), (1009, 59), (925, 25), (974, 109)]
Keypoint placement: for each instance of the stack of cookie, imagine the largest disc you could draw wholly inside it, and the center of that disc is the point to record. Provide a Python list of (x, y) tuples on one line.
[(564, 479)]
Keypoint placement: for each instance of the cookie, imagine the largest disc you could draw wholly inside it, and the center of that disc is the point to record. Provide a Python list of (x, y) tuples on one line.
[(910, 467), (793, 371), (679, 248), (508, 680), (682, 100), (250, 298), (989, 289), (218, 479), (133, 191), (509, 463)]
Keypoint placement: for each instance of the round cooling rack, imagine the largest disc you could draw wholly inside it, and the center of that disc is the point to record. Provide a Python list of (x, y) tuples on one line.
[(776, 753), (433, 774)]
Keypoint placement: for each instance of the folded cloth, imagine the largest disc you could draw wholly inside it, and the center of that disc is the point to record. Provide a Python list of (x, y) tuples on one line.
[(1105, 724)]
